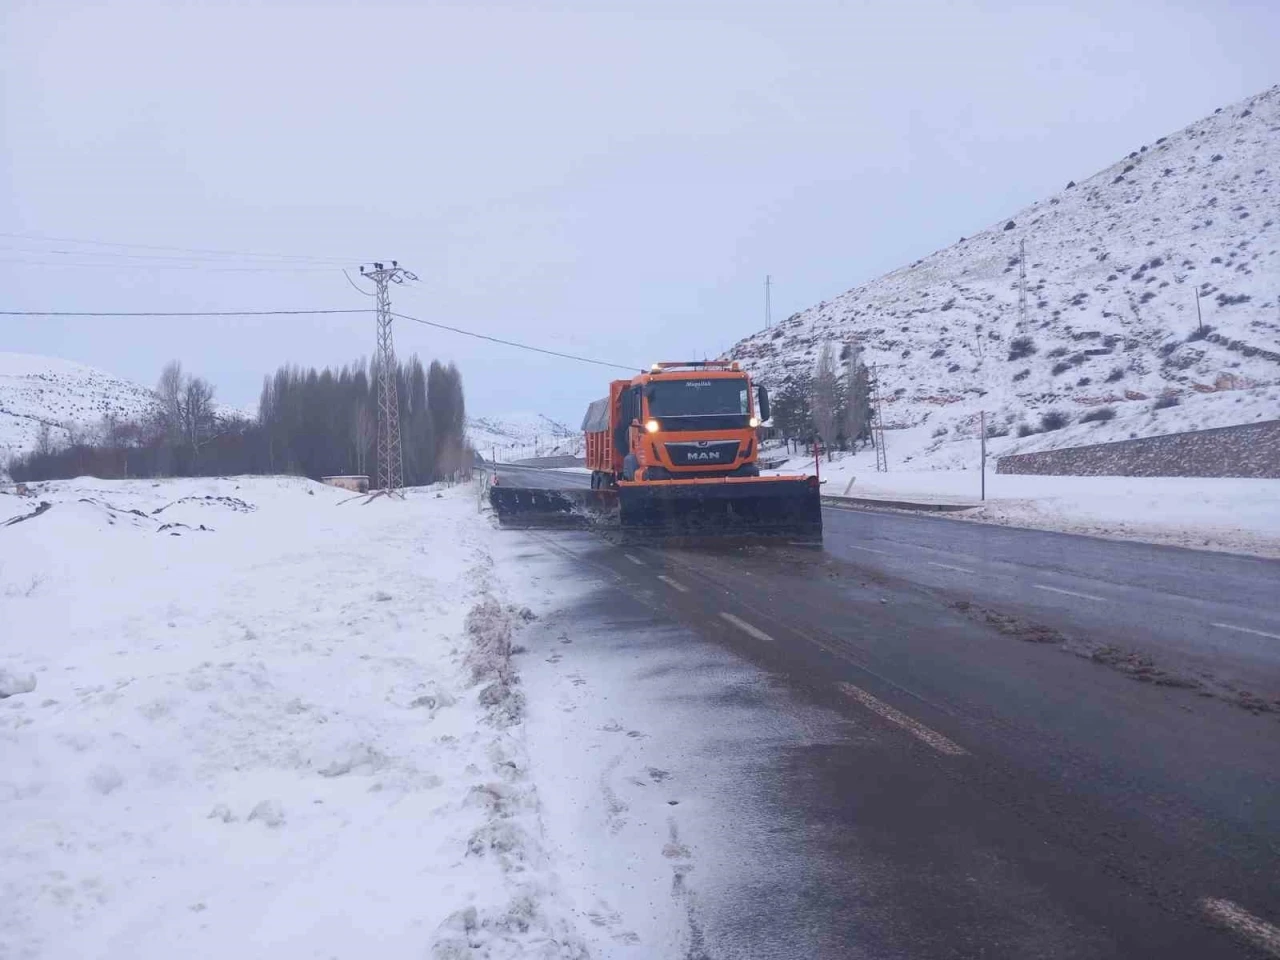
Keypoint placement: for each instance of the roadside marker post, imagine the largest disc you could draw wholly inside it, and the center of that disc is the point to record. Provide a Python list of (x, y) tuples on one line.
[(982, 428)]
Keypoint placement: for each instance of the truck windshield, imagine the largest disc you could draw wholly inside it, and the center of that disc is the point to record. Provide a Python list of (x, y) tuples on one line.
[(698, 397)]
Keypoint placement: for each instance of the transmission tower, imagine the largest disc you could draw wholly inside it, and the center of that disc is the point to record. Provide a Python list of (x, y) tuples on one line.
[(390, 476), (768, 307), (877, 425), (1022, 286)]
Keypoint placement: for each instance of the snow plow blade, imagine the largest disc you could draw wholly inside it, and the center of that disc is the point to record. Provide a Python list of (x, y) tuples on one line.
[(537, 507), (746, 508)]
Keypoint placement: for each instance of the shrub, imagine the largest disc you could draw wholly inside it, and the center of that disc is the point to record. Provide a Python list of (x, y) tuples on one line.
[(1084, 381), (1199, 333), (996, 431), (1057, 352), (1062, 366), (940, 352), (953, 368), (1021, 347), (1167, 348), (1026, 430), (1022, 375), (1226, 300), (1101, 415), (940, 432), (1010, 225), (1053, 420), (1166, 401)]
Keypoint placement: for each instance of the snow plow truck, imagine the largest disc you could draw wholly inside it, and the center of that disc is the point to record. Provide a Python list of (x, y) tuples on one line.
[(673, 454)]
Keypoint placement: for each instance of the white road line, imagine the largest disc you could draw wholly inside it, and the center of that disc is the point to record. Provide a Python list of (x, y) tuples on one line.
[(748, 628), (673, 583), (636, 560), (914, 727), (1070, 593), (1257, 633), (1239, 920), (948, 566), (883, 553)]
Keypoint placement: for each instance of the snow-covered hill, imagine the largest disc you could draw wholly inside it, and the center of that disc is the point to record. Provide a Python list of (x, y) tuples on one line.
[(1113, 264), (68, 397), (523, 434)]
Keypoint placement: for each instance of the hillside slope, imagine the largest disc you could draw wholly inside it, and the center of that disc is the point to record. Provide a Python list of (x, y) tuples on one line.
[(1113, 266), (522, 434), (68, 397)]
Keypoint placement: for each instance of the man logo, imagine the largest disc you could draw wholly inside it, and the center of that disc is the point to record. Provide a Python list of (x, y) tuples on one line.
[(704, 454)]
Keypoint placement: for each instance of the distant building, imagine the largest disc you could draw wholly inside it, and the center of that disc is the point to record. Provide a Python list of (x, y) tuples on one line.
[(356, 484)]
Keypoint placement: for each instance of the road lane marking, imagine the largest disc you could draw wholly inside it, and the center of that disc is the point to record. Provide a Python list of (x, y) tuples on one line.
[(673, 583), (636, 560), (914, 727), (748, 628), (1240, 921), (948, 566), (1256, 633), (1071, 593), (883, 553)]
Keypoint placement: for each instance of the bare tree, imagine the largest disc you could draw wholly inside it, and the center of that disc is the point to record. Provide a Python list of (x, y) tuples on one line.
[(825, 396), (362, 435), (170, 388), (44, 440), (197, 416), (857, 406)]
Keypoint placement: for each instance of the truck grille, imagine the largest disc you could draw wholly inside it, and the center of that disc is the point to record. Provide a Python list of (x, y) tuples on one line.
[(702, 453)]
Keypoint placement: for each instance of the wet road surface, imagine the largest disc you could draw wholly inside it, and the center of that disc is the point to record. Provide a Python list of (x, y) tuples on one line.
[(1005, 785)]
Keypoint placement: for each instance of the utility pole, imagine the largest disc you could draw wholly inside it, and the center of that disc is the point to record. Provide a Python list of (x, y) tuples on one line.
[(1022, 286), (390, 475), (768, 307), (877, 426), (1199, 319)]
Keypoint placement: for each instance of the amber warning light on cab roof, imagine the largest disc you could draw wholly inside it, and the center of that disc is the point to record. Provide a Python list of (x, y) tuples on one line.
[(695, 365)]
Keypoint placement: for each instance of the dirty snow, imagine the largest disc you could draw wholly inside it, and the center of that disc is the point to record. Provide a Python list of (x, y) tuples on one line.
[(257, 716)]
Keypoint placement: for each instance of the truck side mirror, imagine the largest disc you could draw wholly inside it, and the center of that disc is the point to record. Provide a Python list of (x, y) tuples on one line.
[(762, 403)]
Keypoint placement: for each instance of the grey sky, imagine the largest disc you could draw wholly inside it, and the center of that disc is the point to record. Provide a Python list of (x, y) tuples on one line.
[(610, 179)]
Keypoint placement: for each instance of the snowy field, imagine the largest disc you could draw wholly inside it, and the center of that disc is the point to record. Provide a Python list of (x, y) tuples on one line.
[(258, 717), (1235, 515)]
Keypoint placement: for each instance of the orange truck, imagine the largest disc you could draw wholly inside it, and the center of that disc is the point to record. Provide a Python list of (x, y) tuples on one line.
[(679, 444), (673, 455)]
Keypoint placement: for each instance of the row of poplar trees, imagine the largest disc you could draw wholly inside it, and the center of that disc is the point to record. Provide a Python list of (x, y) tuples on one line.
[(324, 422), (311, 422)]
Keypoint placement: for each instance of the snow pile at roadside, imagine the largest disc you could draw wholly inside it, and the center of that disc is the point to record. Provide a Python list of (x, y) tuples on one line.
[(259, 715), (1232, 514)]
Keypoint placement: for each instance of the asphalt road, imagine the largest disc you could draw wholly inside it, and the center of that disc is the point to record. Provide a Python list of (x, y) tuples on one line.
[(1048, 758)]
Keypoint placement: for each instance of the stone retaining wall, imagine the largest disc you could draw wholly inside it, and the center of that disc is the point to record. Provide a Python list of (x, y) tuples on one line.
[(1248, 450)]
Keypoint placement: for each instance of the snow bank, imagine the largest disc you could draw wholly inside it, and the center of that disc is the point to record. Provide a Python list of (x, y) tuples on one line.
[(260, 716)]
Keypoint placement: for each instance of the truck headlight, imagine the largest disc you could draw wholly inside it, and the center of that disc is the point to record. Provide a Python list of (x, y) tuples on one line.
[(652, 426), (754, 422)]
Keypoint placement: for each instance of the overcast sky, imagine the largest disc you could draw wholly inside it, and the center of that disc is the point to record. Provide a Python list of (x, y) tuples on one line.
[(612, 179)]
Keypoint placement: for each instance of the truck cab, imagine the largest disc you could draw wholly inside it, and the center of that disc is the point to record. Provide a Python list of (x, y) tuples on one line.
[(677, 421)]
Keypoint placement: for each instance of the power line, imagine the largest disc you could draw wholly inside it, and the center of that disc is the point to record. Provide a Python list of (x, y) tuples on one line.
[(162, 257), (176, 313), (148, 246), (277, 268), (513, 343), (298, 313)]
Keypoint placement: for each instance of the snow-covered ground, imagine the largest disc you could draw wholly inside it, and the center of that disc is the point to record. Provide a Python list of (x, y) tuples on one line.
[(1230, 514), (259, 717)]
